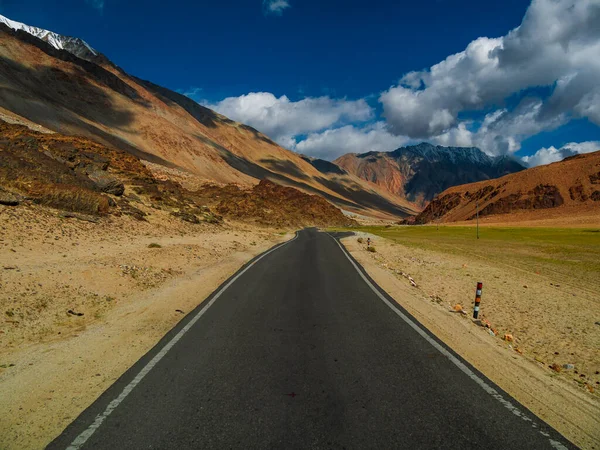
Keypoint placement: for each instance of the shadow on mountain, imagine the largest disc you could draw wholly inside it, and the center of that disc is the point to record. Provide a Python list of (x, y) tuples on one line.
[(370, 200), (99, 73), (324, 166), (203, 115), (257, 134), (67, 102), (64, 96), (285, 166), (365, 198)]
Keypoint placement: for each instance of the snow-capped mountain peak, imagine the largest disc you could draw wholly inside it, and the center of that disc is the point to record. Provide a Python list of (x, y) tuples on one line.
[(73, 45)]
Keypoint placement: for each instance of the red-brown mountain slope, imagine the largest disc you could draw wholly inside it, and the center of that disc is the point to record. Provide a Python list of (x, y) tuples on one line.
[(567, 188)]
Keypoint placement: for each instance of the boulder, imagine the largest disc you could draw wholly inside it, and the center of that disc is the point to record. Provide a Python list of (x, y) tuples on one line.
[(186, 217), (8, 198), (106, 182)]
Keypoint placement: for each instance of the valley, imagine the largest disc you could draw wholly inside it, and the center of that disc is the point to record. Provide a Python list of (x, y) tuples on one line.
[(342, 277)]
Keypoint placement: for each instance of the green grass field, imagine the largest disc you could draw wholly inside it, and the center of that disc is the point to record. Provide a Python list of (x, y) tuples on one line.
[(569, 255)]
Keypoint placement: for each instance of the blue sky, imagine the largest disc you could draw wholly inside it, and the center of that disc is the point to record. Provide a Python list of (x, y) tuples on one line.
[(323, 77)]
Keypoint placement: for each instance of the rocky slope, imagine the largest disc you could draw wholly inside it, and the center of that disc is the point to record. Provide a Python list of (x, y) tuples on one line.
[(569, 187), (90, 181), (420, 172), (60, 87)]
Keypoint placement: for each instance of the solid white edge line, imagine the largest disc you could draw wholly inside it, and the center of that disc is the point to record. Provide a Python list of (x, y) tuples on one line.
[(486, 387), (88, 432)]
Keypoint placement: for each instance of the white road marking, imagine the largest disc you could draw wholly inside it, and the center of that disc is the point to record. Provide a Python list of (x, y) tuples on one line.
[(486, 387), (85, 435)]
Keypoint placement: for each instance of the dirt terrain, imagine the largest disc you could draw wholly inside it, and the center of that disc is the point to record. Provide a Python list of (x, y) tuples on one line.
[(82, 301), (542, 344), (569, 189)]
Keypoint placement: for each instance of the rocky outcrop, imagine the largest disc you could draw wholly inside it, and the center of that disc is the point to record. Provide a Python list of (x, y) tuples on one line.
[(270, 203), (8, 198), (106, 183), (438, 208), (541, 197)]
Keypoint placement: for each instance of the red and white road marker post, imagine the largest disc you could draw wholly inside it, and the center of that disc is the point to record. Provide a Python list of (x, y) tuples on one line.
[(477, 299)]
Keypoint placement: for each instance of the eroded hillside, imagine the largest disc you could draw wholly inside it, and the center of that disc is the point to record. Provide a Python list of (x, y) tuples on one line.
[(89, 180), (568, 189)]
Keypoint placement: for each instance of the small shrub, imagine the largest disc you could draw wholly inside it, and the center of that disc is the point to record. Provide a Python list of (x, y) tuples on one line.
[(371, 249), (154, 245), (360, 240), (70, 198)]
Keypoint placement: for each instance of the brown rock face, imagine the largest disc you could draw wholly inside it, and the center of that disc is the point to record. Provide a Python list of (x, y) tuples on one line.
[(569, 185), (271, 203), (73, 174)]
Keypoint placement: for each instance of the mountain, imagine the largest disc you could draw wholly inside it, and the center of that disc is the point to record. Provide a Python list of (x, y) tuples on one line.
[(569, 189), (75, 46), (420, 172), (63, 85)]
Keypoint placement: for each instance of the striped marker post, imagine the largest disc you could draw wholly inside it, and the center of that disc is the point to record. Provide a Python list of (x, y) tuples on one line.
[(477, 299)]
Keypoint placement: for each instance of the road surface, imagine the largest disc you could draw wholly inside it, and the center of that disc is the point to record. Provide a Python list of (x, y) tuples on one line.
[(301, 350)]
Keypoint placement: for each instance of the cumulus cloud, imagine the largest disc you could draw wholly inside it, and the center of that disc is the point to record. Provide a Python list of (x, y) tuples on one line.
[(332, 143), (502, 131), (283, 119), (553, 154), (275, 7), (557, 45)]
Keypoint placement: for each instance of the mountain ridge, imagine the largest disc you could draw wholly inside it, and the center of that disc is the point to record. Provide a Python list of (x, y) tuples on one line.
[(73, 45), (63, 92), (420, 172)]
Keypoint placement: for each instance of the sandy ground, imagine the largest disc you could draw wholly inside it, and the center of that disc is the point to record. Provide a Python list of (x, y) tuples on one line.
[(548, 325), (123, 297)]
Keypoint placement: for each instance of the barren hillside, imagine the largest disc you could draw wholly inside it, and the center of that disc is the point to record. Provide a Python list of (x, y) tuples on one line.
[(93, 98), (89, 181), (567, 189)]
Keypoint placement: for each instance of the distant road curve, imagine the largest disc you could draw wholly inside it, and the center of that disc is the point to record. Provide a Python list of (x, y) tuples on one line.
[(300, 349)]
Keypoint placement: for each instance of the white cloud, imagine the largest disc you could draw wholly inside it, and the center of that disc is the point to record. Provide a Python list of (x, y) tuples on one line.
[(552, 154), (283, 120), (502, 131), (556, 45), (332, 143), (275, 7), (98, 4), (556, 48)]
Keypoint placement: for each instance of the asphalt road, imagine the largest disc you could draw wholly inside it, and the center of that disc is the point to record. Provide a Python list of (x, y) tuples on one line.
[(300, 352)]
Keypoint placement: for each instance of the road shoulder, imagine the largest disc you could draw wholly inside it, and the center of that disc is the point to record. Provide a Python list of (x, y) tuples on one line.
[(54, 376), (574, 413)]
